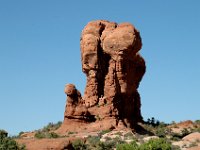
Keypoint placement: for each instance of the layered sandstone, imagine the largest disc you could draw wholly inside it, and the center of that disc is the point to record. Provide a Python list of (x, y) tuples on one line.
[(114, 68)]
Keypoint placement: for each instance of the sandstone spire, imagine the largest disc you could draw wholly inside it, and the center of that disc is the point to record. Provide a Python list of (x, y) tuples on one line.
[(114, 68)]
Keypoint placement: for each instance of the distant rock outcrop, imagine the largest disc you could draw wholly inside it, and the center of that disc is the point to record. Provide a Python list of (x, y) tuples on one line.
[(114, 69)]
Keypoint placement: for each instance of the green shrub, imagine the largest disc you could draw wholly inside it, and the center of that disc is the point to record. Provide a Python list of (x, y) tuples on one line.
[(93, 141), (19, 135), (185, 132), (53, 135), (108, 145), (156, 144), (153, 144), (3, 134), (128, 135), (197, 121), (52, 126), (162, 124), (155, 123), (70, 132), (7, 143), (119, 133), (41, 134), (148, 127), (118, 140), (79, 145), (196, 130), (104, 132), (125, 146), (176, 136), (160, 132), (46, 131), (107, 138)]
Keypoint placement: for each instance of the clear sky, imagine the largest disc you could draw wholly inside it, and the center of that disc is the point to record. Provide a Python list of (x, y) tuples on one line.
[(40, 53)]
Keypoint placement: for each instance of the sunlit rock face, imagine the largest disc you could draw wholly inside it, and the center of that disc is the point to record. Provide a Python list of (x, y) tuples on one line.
[(114, 68)]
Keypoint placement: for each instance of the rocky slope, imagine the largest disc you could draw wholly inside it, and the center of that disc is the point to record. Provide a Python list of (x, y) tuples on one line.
[(184, 136)]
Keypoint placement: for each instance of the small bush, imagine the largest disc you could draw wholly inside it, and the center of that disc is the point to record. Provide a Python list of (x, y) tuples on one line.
[(93, 141), (156, 144), (3, 134), (119, 133), (197, 121), (104, 132), (108, 145), (41, 134), (153, 144), (129, 134), (125, 146), (148, 127), (185, 132), (107, 138), (176, 136), (155, 123), (7, 143), (196, 130), (53, 135), (79, 145), (52, 126), (175, 147), (72, 132), (162, 124), (118, 140), (160, 132), (20, 133), (47, 131)]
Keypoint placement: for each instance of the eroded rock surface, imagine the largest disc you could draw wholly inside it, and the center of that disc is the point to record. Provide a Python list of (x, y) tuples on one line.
[(76, 108), (114, 69)]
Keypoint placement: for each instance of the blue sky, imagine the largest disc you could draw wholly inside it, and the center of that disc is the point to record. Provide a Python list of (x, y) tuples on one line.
[(40, 53)]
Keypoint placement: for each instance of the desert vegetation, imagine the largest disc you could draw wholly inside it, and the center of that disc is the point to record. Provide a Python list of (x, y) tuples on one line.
[(158, 136), (95, 143), (152, 135), (48, 131), (8, 143)]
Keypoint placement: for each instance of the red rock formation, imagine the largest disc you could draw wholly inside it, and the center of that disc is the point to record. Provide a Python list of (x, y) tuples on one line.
[(75, 105), (114, 69)]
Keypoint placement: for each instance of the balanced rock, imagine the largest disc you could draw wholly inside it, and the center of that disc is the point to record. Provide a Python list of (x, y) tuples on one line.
[(114, 68)]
